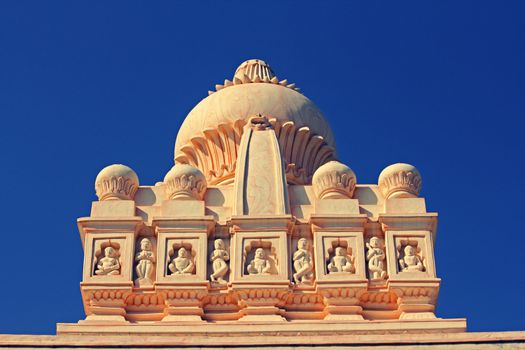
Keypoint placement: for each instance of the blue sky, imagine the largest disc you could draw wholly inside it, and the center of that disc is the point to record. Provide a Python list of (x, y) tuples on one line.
[(440, 85)]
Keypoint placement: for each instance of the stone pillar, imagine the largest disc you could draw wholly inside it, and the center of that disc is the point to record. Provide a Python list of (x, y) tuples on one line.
[(410, 260), (260, 266), (340, 264), (108, 266), (181, 266)]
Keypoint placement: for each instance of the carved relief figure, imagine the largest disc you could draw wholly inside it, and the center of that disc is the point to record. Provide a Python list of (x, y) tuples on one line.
[(145, 263), (302, 262), (341, 262), (109, 264), (182, 264), (218, 258), (260, 265), (376, 257), (411, 261)]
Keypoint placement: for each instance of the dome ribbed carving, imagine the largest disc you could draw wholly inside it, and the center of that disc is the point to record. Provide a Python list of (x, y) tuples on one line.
[(210, 135)]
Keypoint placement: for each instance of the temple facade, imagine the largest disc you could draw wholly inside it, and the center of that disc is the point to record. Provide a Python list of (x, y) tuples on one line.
[(259, 236)]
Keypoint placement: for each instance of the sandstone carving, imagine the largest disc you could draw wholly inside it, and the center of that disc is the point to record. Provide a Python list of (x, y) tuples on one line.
[(376, 259), (182, 264), (341, 262), (184, 181), (260, 264), (109, 264), (334, 180), (257, 222), (302, 262), (116, 181), (219, 257), (145, 263), (400, 181), (411, 261)]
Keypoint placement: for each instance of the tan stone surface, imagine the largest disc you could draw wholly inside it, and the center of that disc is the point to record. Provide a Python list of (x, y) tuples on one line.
[(488, 340)]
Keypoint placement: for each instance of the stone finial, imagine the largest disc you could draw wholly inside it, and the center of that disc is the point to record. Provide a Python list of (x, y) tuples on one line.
[(184, 181), (334, 180), (116, 181), (400, 180), (255, 69)]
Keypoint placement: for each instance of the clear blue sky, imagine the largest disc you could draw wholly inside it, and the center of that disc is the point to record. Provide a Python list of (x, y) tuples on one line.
[(440, 85)]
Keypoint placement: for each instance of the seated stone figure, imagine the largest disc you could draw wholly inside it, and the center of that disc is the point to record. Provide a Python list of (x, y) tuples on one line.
[(146, 263), (411, 261), (109, 264), (302, 262), (182, 264), (218, 259), (340, 262), (260, 265)]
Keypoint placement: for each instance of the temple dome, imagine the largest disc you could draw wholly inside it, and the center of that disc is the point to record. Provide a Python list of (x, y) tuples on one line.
[(209, 136)]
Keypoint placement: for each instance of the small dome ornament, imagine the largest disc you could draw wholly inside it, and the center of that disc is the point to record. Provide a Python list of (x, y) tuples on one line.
[(116, 182), (184, 181), (334, 180), (400, 180)]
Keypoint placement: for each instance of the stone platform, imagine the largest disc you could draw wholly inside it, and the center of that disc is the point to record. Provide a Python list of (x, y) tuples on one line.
[(445, 334)]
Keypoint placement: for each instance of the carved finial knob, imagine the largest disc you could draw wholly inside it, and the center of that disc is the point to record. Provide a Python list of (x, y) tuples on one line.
[(184, 181), (255, 68), (334, 180), (400, 180), (116, 181)]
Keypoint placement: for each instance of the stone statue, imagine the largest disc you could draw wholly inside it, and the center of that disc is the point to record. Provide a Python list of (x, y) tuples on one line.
[(109, 264), (260, 265), (341, 262), (218, 258), (182, 264), (302, 262), (376, 257), (411, 261), (145, 263)]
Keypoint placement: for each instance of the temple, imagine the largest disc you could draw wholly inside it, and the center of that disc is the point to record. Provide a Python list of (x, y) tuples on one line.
[(259, 236)]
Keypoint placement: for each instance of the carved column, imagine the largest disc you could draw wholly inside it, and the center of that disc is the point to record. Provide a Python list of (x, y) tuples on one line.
[(340, 264), (411, 268), (108, 266), (181, 266), (260, 266)]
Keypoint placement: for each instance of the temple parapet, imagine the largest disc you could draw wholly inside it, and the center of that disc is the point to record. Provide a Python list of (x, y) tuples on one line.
[(266, 227)]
